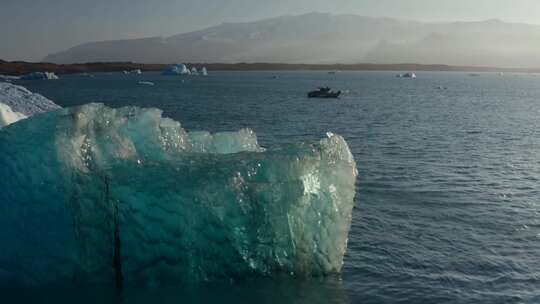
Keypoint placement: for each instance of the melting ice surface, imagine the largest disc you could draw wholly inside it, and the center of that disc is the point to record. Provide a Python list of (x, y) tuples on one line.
[(95, 195), (17, 102), (8, 116), (21, 100)]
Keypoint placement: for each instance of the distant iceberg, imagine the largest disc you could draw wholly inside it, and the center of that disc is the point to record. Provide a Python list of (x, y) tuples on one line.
[(85, 186), (8, 78), (137, 72), (194, 71), (204, 72), (40, 76), (406, 75), (17, 102), (177, 69)]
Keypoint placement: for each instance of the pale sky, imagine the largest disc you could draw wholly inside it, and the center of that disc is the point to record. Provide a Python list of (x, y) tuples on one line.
[(31, 29)]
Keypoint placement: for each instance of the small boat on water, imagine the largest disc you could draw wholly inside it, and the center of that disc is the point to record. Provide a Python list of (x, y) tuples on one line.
[(324, 92)]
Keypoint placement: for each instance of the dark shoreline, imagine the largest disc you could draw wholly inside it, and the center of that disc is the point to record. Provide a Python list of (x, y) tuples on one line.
[(21, 67)]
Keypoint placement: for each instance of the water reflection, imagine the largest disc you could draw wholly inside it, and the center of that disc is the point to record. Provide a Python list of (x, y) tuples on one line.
[(260, 291)]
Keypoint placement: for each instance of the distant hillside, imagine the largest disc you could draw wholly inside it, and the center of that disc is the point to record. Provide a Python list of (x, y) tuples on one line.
[(22, 68), (318, 38)]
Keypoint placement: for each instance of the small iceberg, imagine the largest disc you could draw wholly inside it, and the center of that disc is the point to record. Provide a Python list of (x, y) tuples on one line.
[(137, 72), (40, 76), (176, 69), (194, 71), (406, 75), (9, 78), (204, 72), (148, 83)]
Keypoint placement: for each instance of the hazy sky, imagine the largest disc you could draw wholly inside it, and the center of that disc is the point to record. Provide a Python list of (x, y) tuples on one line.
[(31, 29)]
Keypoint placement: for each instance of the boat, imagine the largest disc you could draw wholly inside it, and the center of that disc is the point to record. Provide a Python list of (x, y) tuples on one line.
[(324, 92)]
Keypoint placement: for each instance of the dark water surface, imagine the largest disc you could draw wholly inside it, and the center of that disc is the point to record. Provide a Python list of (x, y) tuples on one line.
[(447, 207)]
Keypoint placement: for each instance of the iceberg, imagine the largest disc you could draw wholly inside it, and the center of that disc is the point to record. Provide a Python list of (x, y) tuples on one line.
[(406, 75), (21, 100), (40, 76), (126, 197), (177, 69), (204, 71), (9, 78)]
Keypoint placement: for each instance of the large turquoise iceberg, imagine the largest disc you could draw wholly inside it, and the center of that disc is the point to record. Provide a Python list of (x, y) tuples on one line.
[(95, 195)]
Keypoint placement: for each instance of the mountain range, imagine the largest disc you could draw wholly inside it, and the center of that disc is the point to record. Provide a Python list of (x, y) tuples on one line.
[(321, 38)]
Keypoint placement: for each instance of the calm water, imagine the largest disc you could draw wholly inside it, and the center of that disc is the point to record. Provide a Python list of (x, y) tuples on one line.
[(447, 208)]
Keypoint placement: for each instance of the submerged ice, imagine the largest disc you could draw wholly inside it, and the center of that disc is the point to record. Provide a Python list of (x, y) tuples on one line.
[(92, 194)]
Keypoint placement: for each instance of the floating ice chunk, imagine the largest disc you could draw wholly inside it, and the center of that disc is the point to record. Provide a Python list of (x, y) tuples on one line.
[(83, 186), (40, 76), (21, 100), (204, 71), (177, 69), (9, 77), (406, 75), (149, 83), (8, 116)]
